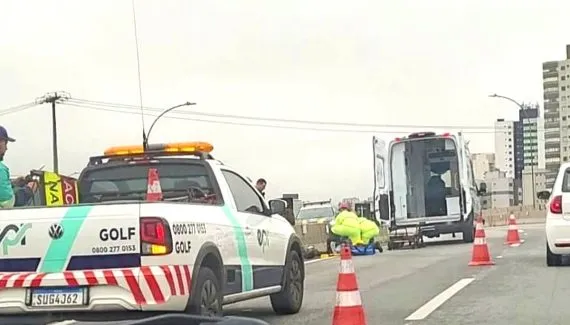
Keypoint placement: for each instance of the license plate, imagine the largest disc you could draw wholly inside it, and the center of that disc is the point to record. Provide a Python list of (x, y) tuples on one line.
[(57, 297)]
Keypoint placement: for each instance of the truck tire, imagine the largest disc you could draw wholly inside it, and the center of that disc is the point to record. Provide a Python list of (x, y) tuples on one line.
[(290, 299), (207, 297), (468, 234)]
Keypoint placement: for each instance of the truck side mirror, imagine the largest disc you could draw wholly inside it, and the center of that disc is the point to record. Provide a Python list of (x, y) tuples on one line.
[(280, 207)]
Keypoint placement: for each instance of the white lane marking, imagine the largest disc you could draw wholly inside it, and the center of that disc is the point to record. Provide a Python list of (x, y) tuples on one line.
[(318, 260), (425, 310), (65, 322)]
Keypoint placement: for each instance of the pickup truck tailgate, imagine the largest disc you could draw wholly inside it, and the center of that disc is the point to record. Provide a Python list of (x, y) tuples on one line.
[(82, 237)]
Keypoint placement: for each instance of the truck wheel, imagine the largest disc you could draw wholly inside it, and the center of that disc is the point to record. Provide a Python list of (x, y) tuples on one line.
[(469, 234), (207, 296), (290, 299)]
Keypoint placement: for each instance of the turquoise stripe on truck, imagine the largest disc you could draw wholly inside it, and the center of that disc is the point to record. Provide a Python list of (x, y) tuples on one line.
[(57, 254), (246, 268)]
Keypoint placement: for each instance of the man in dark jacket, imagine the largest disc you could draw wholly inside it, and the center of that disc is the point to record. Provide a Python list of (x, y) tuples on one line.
[(23, 193), (260, 186)]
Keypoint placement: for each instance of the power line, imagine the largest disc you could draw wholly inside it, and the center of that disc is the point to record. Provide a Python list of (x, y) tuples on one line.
[(16, 109), (281, 120), (275, 126)]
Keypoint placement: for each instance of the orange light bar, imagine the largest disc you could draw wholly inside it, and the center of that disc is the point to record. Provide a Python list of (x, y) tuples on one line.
[(182, 147)]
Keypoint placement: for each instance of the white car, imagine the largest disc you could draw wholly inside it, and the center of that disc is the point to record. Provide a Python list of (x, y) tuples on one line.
[(212, 240), (558, 217)]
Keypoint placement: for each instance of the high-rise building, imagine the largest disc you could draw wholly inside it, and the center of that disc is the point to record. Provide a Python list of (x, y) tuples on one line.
[(519, 147), (532, 148), (505, 147), (556, 88)]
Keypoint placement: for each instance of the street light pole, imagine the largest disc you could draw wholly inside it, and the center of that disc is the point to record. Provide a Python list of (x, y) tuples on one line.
[(531, 151), (147, 134)]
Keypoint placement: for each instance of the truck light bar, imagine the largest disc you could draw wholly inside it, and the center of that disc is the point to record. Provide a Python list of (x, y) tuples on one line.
[(180, 147), (316, 203)]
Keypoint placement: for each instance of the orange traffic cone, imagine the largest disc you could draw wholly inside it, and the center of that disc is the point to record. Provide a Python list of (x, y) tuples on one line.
[(154, 191), (513, 237), (480, 254), (348, 309)]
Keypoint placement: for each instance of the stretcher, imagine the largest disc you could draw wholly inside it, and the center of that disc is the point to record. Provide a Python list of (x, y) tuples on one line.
[(402, 236), (360, 250)]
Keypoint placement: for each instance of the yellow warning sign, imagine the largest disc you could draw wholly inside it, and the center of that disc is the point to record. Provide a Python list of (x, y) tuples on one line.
[(53, 189)]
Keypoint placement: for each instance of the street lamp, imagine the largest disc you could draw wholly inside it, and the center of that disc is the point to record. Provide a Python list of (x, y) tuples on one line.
[(532, 148), (147, 134)]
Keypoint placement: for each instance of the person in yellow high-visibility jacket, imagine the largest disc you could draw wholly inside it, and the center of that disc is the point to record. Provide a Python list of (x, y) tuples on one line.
[(368, 229), (346, 224)]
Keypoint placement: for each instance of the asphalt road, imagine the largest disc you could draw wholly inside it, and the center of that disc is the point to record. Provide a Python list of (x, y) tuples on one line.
[(420, 284)]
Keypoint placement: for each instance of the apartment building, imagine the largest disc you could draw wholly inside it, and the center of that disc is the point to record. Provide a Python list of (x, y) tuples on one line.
[(556, 94), (505, 147)]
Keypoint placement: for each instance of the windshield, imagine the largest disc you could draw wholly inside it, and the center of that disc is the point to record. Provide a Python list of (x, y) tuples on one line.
[(312, 213), (129, 182)]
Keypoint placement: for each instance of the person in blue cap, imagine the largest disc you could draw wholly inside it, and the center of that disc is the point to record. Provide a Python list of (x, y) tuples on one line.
[(6, 192)]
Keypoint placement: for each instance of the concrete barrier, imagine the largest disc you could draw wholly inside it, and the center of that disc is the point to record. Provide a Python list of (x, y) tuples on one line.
[(524, 215), (313, 234)]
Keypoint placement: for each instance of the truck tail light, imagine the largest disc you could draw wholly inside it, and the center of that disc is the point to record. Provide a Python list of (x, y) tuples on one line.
[(556, 205), (155, 236)]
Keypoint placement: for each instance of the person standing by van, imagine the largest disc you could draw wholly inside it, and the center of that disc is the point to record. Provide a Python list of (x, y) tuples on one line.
[(7, 198), (260, 186)]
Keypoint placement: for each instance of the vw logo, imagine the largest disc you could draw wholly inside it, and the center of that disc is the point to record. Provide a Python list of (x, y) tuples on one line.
[(55, 231)]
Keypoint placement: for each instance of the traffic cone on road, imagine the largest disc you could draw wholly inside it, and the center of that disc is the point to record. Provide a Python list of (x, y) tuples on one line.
[(513, 237), (348, 308), (480, 254), (154, 191)]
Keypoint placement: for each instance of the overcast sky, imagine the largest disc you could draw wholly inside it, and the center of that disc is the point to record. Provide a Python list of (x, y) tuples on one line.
[(378, 61)]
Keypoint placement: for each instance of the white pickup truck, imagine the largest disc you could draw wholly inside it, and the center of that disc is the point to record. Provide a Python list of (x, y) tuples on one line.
[(212, 240)]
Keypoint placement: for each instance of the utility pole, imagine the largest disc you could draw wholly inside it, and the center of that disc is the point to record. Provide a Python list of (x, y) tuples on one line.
[(53, 98)]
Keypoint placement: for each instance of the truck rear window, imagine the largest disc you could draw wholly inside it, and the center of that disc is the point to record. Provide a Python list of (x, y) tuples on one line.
[(129, 182)]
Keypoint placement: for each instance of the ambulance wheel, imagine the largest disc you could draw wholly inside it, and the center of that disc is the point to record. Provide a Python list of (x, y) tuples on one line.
[(206, 299), (290, 299), (469, 234)]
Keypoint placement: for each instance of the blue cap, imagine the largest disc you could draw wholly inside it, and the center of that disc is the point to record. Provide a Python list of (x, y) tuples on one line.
[(4, 135)]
